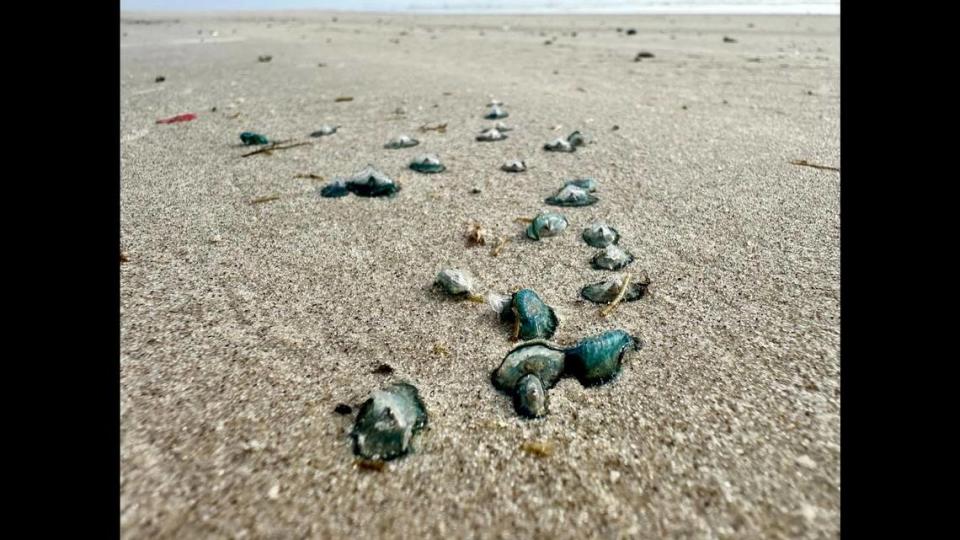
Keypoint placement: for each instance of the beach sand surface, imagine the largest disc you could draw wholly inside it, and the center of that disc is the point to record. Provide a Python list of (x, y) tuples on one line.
[(243, 325)]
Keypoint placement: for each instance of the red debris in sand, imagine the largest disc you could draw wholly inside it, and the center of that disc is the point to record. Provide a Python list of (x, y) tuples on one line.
[(178, 118)]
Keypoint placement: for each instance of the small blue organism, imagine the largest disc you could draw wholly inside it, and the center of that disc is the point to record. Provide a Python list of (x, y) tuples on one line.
[(387, 422), (546, 225), (600, 235), (613, 257), (427, 164), (598, 359), (250, 138)]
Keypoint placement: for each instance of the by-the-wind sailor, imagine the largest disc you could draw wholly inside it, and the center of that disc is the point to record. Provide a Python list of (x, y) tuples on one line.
[(401, 142), (427, 163), (387, 422), (515, 166), (337, 188), (499, 302), (598, 359), (367, 183), (530, 397), (324, 131), (455, 282), (571, 195), (588, 184), (600, 235), (546, 225), (532, 317), (496, 112), (250, 138), (604, 292), (502, 127), (558, 145), (612, 258), (527, 372), (490, 135), (576, 139), (569, 144)]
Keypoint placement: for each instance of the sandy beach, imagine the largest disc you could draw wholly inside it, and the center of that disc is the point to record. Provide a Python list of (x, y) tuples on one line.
[(244, 324)]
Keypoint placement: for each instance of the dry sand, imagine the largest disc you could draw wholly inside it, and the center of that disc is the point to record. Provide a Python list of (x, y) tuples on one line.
[(244, 325)]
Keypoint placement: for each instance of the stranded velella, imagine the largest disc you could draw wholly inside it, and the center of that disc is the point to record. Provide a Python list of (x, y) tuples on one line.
[(401, 142), (571, 195), (604, 292), (531, 316), (490, 135), (427, 164), (367, 183), (324, 131), (457, 283), (495, 113), (597, 359), (613, 257), (546, 225), (600, 235), (527, 372), (387, 422), (514, 166), (250, 138)]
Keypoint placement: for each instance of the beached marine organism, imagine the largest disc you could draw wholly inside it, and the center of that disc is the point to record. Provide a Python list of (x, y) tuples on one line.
[(532, 318), (427, 164), (643, 54), (372, 183), (577, 139), (502, 127), (605, 292), (598, 359), (569, 144), (387, 422), (457, 283), (491, 134), (250, 138), (588, 184), (494, 103), (337, 188), (324, 131), (571, 195), (401, 142), (546, 225), (527, 372), (600, 235), (530, 397), (367, 183), (558, 145), (496, 112), (515, 165), (264, 58), (499, 302), (612, 257)]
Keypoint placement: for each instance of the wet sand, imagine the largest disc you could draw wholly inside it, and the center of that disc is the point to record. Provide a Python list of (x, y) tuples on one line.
[(244, 325)]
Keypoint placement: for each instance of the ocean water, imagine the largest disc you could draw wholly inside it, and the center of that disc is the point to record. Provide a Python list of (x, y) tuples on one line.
[(814, 7)]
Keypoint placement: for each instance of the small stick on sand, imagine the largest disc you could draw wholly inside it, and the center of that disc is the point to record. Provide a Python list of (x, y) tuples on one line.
[(616, 301), (516, 327), (524, 220), (806, 163), (502, 241), (343, 98), (267, 198), (275, 146), (309, 175), (442, 128)]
